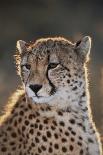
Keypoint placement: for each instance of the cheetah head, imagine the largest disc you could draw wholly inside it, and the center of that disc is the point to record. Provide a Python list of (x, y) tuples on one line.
[(51, 67)]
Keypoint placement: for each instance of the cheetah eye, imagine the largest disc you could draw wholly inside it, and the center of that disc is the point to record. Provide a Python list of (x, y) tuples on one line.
[(52, 65), (27, 66)]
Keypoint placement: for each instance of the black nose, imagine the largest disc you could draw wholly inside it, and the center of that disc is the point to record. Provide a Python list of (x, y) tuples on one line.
[(35, 88)]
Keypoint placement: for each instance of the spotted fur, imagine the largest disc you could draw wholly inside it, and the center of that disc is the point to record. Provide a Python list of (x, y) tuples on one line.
[(51, 114)]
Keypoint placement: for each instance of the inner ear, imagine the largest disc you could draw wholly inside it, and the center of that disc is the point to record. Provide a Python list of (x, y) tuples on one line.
[(83, 46)]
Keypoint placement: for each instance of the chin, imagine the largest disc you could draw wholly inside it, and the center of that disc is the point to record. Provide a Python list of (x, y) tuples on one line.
[(38, 99), (42, 99)]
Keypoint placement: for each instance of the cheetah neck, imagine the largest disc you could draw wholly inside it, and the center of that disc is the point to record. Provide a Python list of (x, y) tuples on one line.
[(75, 101)]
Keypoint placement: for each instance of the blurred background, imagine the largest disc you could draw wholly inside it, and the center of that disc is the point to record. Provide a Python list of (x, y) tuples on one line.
[(30, 20)]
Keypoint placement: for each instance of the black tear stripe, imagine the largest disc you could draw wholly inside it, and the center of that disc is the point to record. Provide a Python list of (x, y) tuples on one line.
[(53, 90)]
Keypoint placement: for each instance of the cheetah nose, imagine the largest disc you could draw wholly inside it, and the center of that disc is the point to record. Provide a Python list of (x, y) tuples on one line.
[(35, 88)]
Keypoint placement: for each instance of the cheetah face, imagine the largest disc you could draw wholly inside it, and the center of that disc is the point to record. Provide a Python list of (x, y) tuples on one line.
[(49, 66)]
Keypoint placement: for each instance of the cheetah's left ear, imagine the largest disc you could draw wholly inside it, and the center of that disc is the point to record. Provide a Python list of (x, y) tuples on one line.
[(83, 46), (21, 46)]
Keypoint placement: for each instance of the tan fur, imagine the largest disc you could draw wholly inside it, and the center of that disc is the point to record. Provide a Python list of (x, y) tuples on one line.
[(58, 120)]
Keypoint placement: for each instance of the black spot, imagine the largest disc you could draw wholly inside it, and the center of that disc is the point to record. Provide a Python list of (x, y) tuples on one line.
[(30, 116), (69, 128), (74, 133), (72, 139), (90, 140), (63, 140), (39, 150), (48, 134), (81, 152), (19, 131), (56, 135), (64, 149), (67, 133), (76, 74), (53, 128), (24, 99), (44, 138), (21, 113), (62, 123), (36, 125), (3, 149), (60, 130), (42, 108), (74, 88), (50, 150), (68, 81), (81, 126), (20, 139), (29, 105), (43, 148), (60, 113), (69, 75), (38, 133), (13, 134), (23, 128), (51, 143), (45, 121), (37, 113), (71, 148), (14, 148), (32, 125), (19, 146), (37, 120), (80, 138), (56, 146), (31, 131), (5, 140), (26, 109), (26, 122), (72, 121), (20, 119), (79, 143), (32, 144), (27, 135), (15, 123), (48, 108), (83, 94), (85, 109), (55, 123), (40, 127), (36, 140)]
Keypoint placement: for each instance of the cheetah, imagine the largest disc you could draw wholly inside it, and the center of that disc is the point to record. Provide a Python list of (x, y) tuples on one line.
[(50, 114)]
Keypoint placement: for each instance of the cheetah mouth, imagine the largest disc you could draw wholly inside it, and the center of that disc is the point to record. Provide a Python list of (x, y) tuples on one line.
[(38, 98)]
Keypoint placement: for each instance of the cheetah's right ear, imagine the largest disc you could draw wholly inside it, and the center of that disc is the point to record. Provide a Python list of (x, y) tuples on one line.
[(21, 46)]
